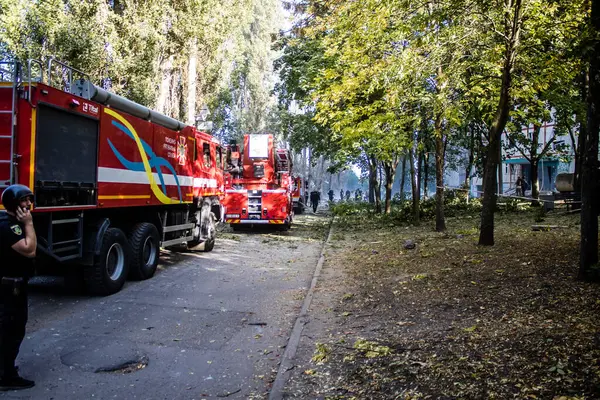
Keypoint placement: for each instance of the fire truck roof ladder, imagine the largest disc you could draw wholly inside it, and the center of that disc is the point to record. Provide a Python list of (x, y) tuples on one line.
[(9, 69)]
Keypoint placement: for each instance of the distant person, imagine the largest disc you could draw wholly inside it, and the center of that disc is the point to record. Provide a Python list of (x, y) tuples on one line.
[(357, 195), (315, 197), (347, 195), (519, 186), (330, 193), (341, 194)]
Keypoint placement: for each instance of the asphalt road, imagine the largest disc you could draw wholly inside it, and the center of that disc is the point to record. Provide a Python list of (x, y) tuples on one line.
[(206, 326)]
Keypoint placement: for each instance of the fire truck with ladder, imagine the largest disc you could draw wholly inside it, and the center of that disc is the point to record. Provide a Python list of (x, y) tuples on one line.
[(258, 184), (113, 181)]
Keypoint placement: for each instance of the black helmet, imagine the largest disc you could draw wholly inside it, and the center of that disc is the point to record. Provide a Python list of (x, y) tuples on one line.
[(13, 194)]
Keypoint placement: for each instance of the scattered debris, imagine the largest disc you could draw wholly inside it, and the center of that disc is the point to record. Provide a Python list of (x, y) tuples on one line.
[(547, 227), (467, 321), (229, 393), (126, 367)]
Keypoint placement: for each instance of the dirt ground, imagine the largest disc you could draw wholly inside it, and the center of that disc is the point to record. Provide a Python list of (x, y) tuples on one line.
[(449, 319)]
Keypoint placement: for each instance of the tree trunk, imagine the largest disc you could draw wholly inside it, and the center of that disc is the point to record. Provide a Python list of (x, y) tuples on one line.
[(319, 173), (402, 177), (414, 182), (588, 258), (535, 159), (419, 172), (380, 180), (500, 172), (440, 221), (486, 233), (582, 134), (488, 203), (390, 174), (177, 97), (375, 188), (467, 183), (164, 90), (535, 185), (378, 196), (426, 173), (372, 179), (191, 95), (309, 177)]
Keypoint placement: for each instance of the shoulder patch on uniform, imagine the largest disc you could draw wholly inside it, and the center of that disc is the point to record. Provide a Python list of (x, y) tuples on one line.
[(16, 229)]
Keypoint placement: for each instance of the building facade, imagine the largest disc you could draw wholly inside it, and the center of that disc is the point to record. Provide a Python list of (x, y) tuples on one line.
[(559, 158)]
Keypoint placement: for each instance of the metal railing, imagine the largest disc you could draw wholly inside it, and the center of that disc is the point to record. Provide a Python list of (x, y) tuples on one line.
[(66, 74)]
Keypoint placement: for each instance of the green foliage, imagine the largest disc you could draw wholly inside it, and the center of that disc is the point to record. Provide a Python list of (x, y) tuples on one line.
[(383, 78), (351, 208), (539, 214), (511, 205), (322, 352), (455, 204), (372, 349), (142, 50)]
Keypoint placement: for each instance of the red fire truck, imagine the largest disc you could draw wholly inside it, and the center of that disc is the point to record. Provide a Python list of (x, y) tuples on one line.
[(113, 181), (258, 184), (299, 194)]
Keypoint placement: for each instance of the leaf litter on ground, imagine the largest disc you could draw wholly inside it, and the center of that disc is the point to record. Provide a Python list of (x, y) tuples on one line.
[(466, 321)]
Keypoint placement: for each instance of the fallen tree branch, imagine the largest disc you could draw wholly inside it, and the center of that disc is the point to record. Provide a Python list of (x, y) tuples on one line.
[(547, 227)]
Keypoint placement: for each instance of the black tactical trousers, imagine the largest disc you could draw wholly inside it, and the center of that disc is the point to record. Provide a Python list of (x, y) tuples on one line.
[(13, 318)]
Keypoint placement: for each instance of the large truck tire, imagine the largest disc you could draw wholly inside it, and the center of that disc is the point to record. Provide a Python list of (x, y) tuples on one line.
[(111, 266), (145, 251), (209, 244), (206, 227)]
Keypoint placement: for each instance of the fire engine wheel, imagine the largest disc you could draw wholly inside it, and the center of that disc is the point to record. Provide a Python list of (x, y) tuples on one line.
[(108, 274), (207, 228), (285, 226), (211, 229), (145, 251)]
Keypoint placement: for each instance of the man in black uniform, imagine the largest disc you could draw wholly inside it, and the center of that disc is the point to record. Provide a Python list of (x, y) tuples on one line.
[(315, 197), (17, 250)]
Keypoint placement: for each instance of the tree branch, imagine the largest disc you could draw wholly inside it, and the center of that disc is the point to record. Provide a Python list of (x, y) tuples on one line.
[(523, 153), (572, 136), (546, 147)]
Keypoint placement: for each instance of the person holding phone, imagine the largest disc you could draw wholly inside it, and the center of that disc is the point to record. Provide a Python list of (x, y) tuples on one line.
[(18, 244)]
